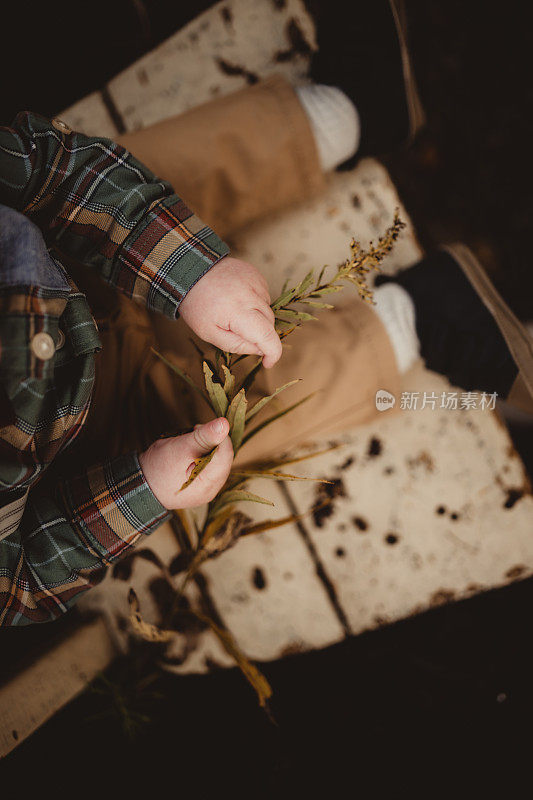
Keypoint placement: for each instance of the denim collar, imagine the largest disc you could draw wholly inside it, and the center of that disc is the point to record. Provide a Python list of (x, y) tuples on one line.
[(24, 257)]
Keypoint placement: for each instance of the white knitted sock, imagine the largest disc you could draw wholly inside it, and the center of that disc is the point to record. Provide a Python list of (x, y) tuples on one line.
[(334, 121), (397, 312)]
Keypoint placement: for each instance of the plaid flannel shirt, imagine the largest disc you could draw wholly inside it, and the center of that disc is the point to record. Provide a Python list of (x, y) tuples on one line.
[(93, 201)]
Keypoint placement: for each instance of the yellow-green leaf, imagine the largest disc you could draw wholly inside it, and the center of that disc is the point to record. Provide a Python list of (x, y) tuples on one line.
[(326, 290), (264, 400), (305, 283), (284, 298), (283, 327), (216, 393), (229, 382), (299, 316)]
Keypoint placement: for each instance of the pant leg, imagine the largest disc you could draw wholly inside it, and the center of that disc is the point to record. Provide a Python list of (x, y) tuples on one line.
[(234, 160), (345, 357), (237, 158)]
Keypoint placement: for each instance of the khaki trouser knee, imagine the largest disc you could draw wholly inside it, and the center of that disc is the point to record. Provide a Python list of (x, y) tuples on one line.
[(237, 158)]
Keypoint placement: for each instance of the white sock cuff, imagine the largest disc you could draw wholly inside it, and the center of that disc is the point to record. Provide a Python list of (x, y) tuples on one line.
[(334, 121), (396, 310)]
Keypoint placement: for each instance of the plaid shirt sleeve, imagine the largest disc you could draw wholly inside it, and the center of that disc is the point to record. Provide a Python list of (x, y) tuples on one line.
[(63, 541), (96, 203)]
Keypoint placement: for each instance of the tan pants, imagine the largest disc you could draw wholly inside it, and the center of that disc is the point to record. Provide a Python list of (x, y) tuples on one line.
[(233, 161)]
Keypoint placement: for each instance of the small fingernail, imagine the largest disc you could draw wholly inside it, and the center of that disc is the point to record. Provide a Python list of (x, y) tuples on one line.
[(219, 426)]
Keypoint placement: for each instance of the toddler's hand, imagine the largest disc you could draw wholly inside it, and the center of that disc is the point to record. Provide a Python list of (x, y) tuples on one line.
[(230, 308), (168, 463)]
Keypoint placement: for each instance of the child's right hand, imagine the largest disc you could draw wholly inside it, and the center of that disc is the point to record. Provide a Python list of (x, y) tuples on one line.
[(230, 308), (168, 463)]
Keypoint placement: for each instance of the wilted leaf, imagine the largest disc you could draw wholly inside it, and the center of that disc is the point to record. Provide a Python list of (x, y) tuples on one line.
[(199, 465), (182, 374), (236, 417), (238, 496), (225, 530), (284, 333), (222, 530), (264, 400), (273, 418), (326, 290), (145, 630), (229, 382), (214, 522), (316, 304), (299, 316), (321, 274), (274, 464), (216, 393), (283, 327), (277, 476), (269, 524), (249, 670)]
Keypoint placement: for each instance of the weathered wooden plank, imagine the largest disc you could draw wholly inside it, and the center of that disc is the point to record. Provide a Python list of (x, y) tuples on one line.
[(430, 507), (267, 590), (228, 47), (33, 696), (91, 116)]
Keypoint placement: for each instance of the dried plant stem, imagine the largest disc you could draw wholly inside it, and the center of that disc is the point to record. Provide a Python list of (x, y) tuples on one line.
[(227, 396)]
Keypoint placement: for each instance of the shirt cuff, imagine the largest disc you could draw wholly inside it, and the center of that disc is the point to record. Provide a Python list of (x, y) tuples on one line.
[(167, 253), (111, 505)]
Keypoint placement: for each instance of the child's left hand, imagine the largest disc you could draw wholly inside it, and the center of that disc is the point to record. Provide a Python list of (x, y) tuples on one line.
[(230, 308)]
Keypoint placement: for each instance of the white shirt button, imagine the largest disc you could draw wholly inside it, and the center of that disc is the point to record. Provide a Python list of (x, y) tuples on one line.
[(61, 126), (43, 346)]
